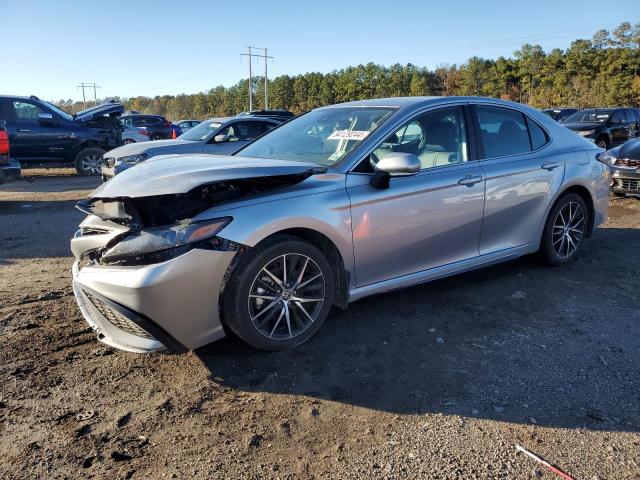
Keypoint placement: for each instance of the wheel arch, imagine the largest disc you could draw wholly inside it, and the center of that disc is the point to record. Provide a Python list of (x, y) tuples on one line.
[(585, 194), (328, 246)]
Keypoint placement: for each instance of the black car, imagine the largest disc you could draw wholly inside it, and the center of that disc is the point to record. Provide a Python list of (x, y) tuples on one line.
[(42, 134), (606, 127), (159, 128), (559, 114), (281, 115)]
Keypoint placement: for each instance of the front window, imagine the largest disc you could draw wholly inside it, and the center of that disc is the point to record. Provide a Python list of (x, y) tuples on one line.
[(200, 132), (590, 116), (438, 138), (26, 111), (59, 111), (323, 136)]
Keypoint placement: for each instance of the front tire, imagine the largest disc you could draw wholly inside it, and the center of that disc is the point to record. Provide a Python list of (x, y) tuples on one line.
[(280, 294), (88, 161), (603, 142), (565, 230)]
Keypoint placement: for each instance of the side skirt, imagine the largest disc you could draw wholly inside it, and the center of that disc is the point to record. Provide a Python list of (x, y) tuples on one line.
[(441, 272)]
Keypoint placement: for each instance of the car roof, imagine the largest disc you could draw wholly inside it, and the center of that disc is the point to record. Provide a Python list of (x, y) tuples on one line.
[(416, 102)]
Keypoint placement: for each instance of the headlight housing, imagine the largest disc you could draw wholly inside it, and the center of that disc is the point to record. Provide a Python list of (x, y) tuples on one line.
[(586, 133), (158, 244), (608, 158), (133, 158)]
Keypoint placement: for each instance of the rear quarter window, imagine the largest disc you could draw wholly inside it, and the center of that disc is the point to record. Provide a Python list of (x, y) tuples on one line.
[(538, 136)]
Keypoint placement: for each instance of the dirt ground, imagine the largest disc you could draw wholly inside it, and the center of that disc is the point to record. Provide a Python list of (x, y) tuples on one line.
[(436, 381)]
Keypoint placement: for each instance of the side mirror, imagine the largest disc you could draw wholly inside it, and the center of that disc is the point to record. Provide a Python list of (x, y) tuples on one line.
[(45, 119), (221, 138), (396, 164)]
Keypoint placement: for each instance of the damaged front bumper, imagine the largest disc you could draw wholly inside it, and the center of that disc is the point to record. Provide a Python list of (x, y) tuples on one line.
[(167, 306), (625, 181)]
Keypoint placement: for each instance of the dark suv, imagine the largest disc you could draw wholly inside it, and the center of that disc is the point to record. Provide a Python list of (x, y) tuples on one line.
[(41, 133), (606, 127), (159, 128), (559, 114)]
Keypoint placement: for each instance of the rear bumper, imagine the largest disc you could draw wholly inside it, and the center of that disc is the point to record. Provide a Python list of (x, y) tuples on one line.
[(625, 181), (12, 170), (167, 306)]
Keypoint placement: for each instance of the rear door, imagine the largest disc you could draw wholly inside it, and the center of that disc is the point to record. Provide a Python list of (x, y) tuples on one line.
[(618, 127), (522, 176)]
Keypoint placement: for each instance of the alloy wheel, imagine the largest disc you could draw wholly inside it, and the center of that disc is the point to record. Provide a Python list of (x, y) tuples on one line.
[(568, 230), (91, 164), (286, 296)]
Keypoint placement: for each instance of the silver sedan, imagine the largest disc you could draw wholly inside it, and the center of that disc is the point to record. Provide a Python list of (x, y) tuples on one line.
[(338, 204)]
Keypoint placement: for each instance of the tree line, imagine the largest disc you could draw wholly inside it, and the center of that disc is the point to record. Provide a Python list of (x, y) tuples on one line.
[(597, 72)]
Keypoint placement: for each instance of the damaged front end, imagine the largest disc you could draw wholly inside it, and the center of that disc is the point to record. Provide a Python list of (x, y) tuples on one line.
[(141, 231), (148, 277)]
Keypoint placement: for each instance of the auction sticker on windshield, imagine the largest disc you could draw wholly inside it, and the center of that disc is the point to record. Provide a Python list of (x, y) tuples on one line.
[(348, 135)]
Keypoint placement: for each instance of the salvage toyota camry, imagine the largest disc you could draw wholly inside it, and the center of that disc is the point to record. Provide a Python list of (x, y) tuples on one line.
[(340, 203)]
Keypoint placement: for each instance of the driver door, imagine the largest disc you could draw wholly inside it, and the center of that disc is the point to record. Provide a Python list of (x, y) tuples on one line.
[(422, 221)]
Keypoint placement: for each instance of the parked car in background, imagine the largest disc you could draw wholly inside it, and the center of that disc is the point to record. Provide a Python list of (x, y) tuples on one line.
[(559, 114), (159, 128), (217, 136), (606, 127), (186, 124), (343, 202), (282, 115), (134, 134), (42, 134), (624, 162)]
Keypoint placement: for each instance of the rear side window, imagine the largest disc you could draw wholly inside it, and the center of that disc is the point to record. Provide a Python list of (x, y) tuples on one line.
[(618, 117), (538, 136), (503, 131)]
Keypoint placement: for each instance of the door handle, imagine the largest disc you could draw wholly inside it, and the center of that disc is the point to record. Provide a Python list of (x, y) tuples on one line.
[(550, 165), (24, 130), (470, 180)]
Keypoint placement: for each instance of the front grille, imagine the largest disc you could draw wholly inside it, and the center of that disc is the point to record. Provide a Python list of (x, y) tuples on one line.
[(115, 318), (628, 183), (628, 162)]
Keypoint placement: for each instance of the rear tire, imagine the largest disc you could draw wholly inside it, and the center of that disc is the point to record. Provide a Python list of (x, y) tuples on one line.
[(88, 161), (271, 310), (565, 230)]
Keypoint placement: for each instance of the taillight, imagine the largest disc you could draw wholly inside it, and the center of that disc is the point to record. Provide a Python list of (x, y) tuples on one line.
[(4, 142)]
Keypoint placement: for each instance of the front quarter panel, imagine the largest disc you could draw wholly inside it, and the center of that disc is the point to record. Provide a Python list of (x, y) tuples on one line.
[(322, 205)]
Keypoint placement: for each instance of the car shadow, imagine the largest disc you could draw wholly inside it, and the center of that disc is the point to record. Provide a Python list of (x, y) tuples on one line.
[(518, 342)]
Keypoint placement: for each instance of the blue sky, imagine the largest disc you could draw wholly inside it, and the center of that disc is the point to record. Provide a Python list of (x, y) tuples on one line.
[(167, 47)]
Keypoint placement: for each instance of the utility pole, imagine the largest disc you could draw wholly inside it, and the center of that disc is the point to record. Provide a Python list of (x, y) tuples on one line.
[(93, 85), (266, 78)]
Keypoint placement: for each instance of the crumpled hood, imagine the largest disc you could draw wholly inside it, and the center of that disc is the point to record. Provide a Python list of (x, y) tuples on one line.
[(579, 127), (156, 147), (110, 108), (630, 150), (173, 174)]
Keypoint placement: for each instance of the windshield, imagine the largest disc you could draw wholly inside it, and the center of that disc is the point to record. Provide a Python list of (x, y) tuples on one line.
[(59, 111), (201, 132), (321, 136), (590, 116)]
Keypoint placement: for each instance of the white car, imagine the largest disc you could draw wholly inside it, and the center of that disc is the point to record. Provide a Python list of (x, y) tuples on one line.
[(134, 134)]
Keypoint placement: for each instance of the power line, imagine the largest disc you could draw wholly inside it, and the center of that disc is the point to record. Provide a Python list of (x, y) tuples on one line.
[(266, 75), (84, 85)]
